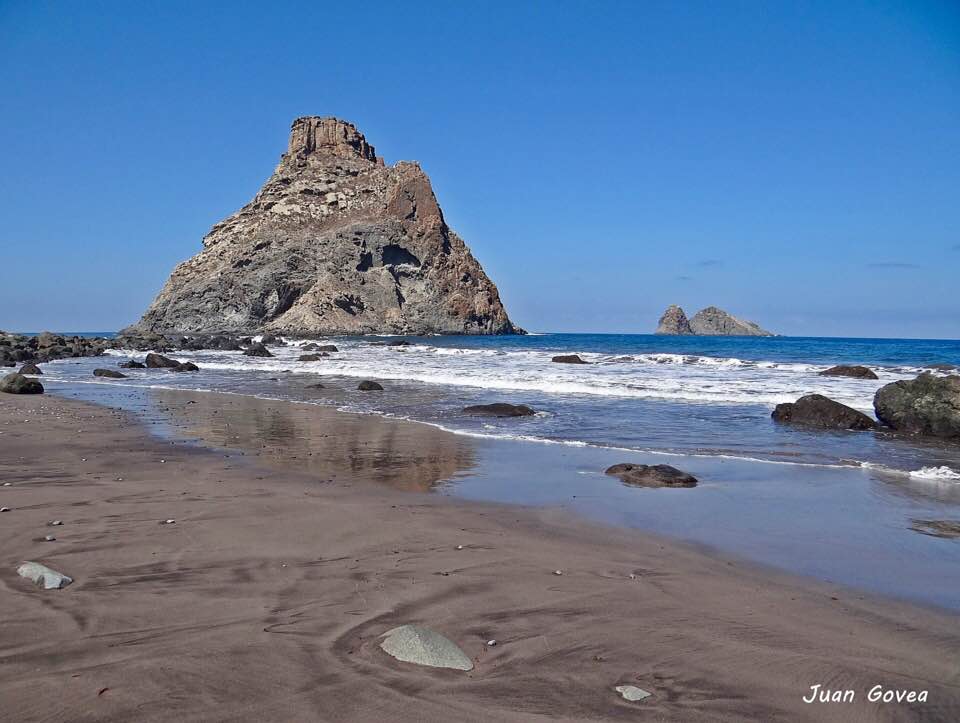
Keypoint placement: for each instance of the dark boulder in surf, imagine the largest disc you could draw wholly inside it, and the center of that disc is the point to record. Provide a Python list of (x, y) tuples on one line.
[(652, 475), (499, 409), (158, 361), (132, 364), (109, 374), (257, 349), (568, 359), (368, 386), (31, 369), (816, 410), (849, 370), (312, 357), (186, 367), (928, 405)]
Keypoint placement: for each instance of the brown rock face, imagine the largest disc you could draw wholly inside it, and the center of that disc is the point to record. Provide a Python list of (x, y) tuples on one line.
[(335, 242)]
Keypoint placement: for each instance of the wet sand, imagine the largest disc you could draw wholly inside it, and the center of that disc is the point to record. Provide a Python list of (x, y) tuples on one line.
[(265, 600)]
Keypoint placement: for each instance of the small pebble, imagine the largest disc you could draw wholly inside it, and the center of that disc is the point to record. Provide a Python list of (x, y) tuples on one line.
[(633, 576), (459, 547), (558, 572), (4, 509), (50, 538), (56, 523), (491, 643), (169, 522), (7, 484)]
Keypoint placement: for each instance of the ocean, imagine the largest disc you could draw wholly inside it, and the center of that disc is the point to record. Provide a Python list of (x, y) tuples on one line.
[(840, 506)]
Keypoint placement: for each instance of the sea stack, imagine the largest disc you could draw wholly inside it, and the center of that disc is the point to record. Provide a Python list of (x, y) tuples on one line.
[(707, 322), (674, 321), (335, 242)]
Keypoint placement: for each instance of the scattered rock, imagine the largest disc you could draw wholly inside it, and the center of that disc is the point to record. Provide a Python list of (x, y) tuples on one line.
[(368, 386), (816, 410), (499, 409), (18, 384), (632, 692), (422, 646), (398, 342), (315, 386), (946, 529), (109, 373), (568, 359), (158, 361), (652, 475), (326, 348), (49, 538), (56, 523), (43, 576), (674, 322), (4, 509), (132, 364), (32, 369), (491, 643), (272, 339), (257, 349), (311, 357), (849, 370), (186, 367), (940, 367), (558, 572), (928, 405)]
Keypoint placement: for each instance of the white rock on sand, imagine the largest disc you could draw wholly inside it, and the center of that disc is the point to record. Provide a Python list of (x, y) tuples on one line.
[(632, 692), (414, 644), (43, 576)]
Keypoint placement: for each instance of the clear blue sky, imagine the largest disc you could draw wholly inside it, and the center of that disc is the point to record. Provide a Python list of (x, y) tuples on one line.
[(796, 163)]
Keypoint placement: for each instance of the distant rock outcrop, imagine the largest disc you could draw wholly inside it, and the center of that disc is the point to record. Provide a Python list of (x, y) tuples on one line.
[(336, 242), (707, 322), (674, 321)]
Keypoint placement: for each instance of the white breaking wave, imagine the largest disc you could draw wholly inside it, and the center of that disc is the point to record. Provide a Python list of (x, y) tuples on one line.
[(661, 376), (937, 473)]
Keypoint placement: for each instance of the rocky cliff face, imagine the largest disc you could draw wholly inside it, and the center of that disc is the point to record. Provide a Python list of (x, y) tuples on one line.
[(674, 321), (335, 242), (707, 322)]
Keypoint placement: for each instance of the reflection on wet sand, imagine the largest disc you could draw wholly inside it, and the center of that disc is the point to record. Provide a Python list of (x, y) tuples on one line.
[(320, 440)]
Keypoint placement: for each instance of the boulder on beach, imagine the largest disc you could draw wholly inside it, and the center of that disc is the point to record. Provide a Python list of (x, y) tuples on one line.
[(816, 410), (31, 369), (272, 339), (109, 373), (132, 364), (849, 370), (18, 384), (43, 576), (651, 475), (368, 386), (928, 405), (499, 409), (312, 357), (257, 349), (186, 367), (422, 646), (326, 348), (159, 361), (568, 359)]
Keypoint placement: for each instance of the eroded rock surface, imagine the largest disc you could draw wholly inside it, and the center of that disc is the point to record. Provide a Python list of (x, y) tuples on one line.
[(336, 242), (674, 321), (928, 405)]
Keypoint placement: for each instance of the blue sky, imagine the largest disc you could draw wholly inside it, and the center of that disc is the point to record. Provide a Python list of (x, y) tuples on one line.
[(795, 163)]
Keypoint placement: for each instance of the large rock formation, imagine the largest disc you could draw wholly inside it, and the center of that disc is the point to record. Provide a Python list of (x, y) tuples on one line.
[(336, 242), (707, 322), (816, 410), (674, 321), (927, 405)]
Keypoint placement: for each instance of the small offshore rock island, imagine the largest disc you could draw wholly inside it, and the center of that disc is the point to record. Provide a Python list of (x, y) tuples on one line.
[(335, 242)]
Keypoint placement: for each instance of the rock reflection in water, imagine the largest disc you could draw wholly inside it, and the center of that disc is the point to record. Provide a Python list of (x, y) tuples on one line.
[(321, 440)]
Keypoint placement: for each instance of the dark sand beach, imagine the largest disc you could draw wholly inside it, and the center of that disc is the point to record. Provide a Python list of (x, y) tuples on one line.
[(292, 552)]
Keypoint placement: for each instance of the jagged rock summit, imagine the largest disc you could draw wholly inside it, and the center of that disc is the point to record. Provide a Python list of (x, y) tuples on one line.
[(707, 322), (674, 321), (336, 242)]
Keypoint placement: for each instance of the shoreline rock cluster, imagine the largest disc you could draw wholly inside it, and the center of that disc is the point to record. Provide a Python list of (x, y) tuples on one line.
[(48, 346), (928, 406)]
